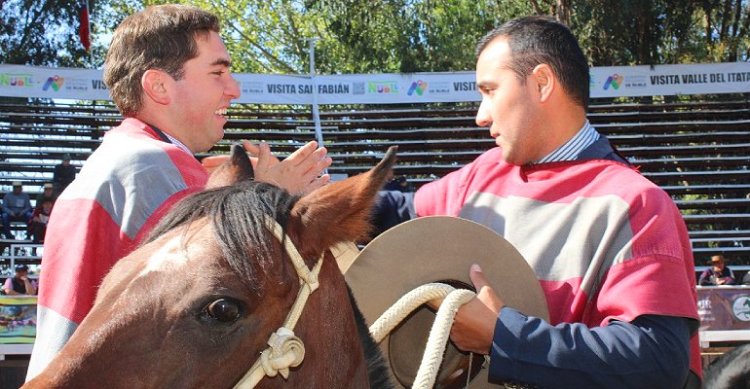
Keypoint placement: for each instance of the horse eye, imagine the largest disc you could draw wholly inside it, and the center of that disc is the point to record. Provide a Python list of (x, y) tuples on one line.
[(223, 310)]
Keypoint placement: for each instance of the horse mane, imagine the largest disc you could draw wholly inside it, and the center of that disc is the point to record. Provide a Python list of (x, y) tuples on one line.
[(731, 370), (378, 372), (238, 215)]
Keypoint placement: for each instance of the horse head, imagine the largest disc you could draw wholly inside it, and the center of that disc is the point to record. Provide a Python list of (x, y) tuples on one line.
[(196, 303)]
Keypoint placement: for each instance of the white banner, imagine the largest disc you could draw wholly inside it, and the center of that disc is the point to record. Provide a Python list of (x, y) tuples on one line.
[(666, 80), (615, 81), (359, 88), (54, 83)]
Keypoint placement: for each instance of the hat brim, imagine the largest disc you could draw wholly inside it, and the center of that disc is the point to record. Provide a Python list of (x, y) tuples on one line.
[(435, 249)]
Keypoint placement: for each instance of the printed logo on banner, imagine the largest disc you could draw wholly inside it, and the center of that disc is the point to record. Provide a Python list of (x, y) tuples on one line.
[(381, 87), (16, 80), (636, 82), (615, 81), (76, 85), (418, 87), (440, 88), (55, 82), (358, 88), (252, 88), (741, 308)]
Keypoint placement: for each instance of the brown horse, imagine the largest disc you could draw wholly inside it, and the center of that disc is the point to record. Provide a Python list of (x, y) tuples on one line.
[(195, 305)]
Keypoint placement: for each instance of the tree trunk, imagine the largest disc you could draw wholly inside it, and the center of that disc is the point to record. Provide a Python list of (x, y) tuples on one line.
[(563, 11)]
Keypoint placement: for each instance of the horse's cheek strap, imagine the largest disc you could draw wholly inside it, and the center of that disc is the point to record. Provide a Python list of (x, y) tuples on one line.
[(285, 349)]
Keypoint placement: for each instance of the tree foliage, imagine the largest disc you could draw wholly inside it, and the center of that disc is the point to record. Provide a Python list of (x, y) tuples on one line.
[(634, 32), (34, 32), (356, 36)]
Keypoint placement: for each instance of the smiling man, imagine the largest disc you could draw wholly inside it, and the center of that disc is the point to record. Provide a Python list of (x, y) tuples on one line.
[(168, 72)]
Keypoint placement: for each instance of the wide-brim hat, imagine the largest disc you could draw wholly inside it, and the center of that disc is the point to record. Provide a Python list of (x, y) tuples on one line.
[(436, 249)]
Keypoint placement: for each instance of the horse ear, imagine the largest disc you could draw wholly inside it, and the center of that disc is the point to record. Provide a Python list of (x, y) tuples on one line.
[(236, 168), (340, 211)]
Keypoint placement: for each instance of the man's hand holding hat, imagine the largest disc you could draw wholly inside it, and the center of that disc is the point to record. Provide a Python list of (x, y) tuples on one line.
[(474, 324)]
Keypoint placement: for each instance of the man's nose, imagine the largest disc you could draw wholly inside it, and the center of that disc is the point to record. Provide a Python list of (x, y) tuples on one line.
[(233, 88), (483, 118)]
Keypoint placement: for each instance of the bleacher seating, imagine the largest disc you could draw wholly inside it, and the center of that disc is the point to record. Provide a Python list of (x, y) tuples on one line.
[(697, 151)]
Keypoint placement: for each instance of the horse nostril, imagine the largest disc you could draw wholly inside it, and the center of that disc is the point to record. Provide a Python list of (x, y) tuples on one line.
[(223, 310)]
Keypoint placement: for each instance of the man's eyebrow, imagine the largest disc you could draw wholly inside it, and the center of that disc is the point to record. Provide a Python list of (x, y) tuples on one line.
[(486, 84), (223, 62)]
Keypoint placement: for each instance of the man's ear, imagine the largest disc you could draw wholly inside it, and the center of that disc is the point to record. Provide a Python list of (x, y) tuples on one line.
[(545, 81), (154, 83)]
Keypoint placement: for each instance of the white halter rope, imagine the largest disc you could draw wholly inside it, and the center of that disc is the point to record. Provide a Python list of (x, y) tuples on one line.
[(439, 333), (285, 349)]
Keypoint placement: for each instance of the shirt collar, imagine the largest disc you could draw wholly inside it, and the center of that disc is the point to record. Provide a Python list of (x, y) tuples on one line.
[(179, 144), (170, 139), (570, 150)]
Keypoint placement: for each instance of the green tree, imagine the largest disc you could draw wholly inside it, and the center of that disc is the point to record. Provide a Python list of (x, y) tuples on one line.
[(34, 32), (635, 32), (724, 25), (356, 36), (411, 35)]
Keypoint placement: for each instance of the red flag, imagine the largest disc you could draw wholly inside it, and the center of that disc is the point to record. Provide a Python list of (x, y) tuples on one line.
[(83, 30)]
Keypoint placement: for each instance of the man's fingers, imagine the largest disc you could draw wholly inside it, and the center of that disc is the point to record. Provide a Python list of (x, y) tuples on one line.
[(301, 154), (251, 148), (316, 183), (265, 158), (477, 277), (322, 162), (435, 303)]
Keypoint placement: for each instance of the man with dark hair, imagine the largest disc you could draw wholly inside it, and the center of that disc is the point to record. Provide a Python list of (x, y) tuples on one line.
[(718, 273), (48, 193), (63, 175), (610, 248), (20, 283), (169, 75)]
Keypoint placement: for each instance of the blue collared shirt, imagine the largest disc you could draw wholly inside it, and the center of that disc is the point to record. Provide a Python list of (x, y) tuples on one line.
[(569, 151)]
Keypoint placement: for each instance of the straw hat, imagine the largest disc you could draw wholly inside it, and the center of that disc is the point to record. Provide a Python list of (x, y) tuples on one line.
[(435, 249)]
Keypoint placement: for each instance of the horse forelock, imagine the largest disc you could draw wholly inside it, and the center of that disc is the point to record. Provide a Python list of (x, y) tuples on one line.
[(237, 215)]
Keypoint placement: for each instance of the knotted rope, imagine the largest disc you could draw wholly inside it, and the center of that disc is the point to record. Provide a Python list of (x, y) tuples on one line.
[(440, 331)]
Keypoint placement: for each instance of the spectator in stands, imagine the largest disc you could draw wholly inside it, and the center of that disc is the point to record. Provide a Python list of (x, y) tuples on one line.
[(16, 207), (20, 283), (609, 247), (39, 220), (63, 175), (718, 274), (48, 193), (168, 72)]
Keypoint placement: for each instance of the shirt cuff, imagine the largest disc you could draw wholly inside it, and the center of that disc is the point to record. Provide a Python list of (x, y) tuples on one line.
[(506, 344)]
